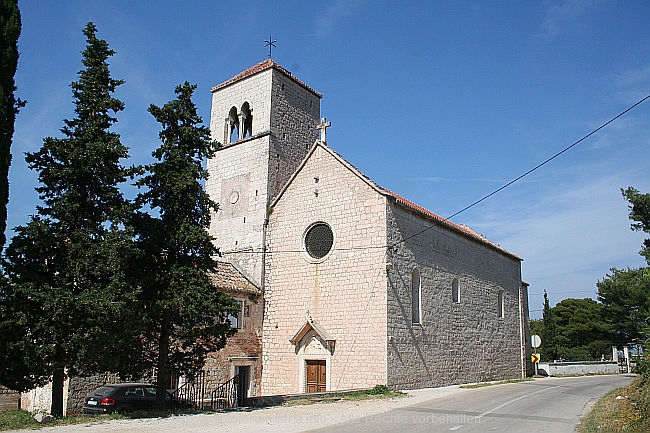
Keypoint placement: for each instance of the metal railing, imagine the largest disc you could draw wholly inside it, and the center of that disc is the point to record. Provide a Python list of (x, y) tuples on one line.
[(190, 394), (225, 395)]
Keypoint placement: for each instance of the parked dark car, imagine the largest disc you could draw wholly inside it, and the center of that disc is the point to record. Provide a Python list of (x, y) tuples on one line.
[(121, 397)]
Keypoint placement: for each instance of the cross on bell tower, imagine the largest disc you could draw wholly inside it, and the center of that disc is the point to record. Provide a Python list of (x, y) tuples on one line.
[(270, 44), (324, 124)]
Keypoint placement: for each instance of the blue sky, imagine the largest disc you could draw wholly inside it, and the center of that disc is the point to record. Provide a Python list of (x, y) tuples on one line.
[(441, 102)]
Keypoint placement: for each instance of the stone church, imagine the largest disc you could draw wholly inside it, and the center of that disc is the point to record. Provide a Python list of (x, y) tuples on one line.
[(344, 284)]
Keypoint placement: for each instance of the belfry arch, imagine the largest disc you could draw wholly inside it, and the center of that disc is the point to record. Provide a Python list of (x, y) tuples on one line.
[(246, 121), (233, 126)]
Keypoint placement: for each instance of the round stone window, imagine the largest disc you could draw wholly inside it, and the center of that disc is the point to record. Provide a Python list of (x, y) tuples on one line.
[(319, 240)]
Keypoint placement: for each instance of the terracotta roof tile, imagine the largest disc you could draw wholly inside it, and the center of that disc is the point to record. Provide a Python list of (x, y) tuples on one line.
[(262, 66), (459, 228), (228, 277)]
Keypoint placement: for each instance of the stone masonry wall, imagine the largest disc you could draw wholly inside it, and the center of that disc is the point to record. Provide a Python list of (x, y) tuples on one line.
[(79, 387), (528, 369), (345, 293), (245, 175), (244, 348), (74, 392), (256, 90), (294, 117), (455, 342), (238, 179), (239, 174)]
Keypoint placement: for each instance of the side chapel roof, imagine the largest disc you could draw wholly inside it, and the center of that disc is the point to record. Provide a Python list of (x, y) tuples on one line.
[(227, 277), (419, 210)]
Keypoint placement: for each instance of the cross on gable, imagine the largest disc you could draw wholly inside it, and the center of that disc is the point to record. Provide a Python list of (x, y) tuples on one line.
[(324, 124)]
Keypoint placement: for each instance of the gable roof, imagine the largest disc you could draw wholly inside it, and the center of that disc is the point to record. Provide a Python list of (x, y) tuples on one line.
[(227, 277), (308, 326), (459, 228), (260, 67), (463, 230)]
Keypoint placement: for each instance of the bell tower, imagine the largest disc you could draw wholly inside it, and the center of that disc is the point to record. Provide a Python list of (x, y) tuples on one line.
[(266, 120)]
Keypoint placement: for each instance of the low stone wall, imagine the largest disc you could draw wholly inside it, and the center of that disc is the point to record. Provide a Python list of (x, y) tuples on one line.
[(74, 392), (578, 368), (78, 387), (39, 399)]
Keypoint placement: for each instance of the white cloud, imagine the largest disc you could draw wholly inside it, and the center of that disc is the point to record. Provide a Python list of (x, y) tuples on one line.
[(561, 14), (333, 13)]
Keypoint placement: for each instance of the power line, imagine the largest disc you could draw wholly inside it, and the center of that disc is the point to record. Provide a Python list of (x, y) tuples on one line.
[(575, 143), (447, 220)]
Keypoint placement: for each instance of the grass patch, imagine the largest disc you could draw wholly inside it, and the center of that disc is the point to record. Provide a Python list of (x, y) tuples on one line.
[(376, 393), (500, 382), (21, 419), (625, 409), (17, 419)]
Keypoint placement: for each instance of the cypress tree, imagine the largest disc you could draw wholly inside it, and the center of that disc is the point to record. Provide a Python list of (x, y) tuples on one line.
[(184, 315), (549, 337), (10, 27), (67, 281)]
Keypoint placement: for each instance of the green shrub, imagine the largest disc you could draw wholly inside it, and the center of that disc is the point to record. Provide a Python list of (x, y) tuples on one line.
[(379, 390), (643, 367)]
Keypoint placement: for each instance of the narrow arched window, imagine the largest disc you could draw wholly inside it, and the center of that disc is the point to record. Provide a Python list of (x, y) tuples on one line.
[(455, 290), (500, 306), (247, 120), (233, 125), (416, 297)]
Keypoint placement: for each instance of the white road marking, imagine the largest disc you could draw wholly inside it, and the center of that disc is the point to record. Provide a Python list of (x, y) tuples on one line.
[(502, 405)]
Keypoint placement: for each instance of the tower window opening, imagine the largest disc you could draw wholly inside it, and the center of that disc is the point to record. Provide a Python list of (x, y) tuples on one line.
[(500, 306), (416, 297), (455, 291), (233, 125), (247, 120)]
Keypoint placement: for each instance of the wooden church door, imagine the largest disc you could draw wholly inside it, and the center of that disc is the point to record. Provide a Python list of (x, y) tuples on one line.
[(316, 376)]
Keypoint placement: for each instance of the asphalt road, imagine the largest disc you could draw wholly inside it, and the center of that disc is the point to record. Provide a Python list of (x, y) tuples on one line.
[(544, 405), (553, 406)]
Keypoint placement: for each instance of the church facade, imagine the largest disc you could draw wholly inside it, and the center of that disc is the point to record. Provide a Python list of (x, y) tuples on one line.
[(356, 286)]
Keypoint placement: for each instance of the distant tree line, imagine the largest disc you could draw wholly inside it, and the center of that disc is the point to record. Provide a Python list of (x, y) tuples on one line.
[(95, 282), (584, 329)]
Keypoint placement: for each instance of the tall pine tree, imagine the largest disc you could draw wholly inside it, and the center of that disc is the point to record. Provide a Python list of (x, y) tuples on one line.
[(10, 26), (67, 279), (184, 315)]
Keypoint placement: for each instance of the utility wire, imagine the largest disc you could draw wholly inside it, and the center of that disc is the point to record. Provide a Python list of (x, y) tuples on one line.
[(575, 143), (447, 220)]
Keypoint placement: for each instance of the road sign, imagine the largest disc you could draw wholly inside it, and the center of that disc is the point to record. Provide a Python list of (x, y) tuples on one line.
[(534, 358), (535, 341)]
